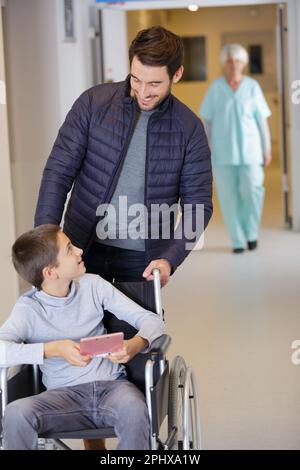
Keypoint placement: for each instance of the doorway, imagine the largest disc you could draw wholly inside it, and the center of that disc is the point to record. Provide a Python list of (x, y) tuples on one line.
[(252, 24)]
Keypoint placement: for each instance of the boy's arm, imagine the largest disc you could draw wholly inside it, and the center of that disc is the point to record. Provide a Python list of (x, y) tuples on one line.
[(13, 354), (131, 347), (67, 349), (148, 324), (13, 334), (15, 331)]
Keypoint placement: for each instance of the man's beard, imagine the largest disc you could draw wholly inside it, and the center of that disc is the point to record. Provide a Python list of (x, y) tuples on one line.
[(155, 105)]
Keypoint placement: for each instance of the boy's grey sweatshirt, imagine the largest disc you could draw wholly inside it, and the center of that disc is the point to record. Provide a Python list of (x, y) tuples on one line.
[(38, 318)]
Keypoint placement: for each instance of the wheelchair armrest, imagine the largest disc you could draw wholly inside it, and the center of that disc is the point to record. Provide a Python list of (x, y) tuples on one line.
[(23, 382), (159, 347), (3, 388)]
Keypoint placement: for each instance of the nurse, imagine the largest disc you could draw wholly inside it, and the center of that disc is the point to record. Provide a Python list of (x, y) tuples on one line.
[(235, 113)]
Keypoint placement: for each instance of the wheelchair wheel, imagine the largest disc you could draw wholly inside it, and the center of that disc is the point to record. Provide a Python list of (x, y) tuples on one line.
[(183, 414), (191, 413), (176, 401)]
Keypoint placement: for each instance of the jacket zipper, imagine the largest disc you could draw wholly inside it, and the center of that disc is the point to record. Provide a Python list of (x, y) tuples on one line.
[(113, 183), (146, 174), (146, 185)]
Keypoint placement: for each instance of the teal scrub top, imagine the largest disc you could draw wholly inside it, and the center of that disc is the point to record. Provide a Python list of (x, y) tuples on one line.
[(235, 137)]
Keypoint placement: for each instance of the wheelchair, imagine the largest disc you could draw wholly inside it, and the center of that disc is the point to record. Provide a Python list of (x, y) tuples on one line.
[(170, 391)]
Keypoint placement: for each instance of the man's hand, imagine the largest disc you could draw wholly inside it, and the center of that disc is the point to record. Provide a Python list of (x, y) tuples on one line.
[(267, 158), (67, 349), (131, 347), (164, 269)]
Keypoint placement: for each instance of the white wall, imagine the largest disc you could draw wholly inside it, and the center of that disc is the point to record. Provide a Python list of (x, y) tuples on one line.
[(8, 277), (45, 75), (33, 90), (74, 58), (115, 45), (294, 74)]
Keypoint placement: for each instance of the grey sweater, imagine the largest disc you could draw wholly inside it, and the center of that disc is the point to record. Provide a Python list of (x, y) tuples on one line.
[(38, 318), (121, 232)]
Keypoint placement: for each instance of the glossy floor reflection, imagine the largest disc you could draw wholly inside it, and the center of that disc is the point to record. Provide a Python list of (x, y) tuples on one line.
[(234, 318)]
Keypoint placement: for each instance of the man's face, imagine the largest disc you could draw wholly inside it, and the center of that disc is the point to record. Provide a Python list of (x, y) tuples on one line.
[(151, 85), (69, 259)]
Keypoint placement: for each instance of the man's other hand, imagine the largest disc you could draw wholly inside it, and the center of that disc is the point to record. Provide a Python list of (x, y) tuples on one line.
[(164, 270)]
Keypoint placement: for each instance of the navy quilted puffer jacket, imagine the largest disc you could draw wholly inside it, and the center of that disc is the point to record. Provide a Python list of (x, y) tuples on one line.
[(89, 152)]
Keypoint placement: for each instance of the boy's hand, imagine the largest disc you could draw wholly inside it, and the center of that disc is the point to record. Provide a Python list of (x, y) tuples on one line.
[(131, 347), (67, 349)]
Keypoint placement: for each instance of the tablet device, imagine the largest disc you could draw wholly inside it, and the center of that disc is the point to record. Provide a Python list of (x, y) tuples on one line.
[(101, 345)]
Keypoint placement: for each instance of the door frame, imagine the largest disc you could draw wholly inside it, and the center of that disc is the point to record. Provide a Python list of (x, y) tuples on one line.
[(290, 118)]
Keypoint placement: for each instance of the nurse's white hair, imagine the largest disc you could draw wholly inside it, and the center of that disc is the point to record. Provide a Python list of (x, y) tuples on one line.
[(236, 51)]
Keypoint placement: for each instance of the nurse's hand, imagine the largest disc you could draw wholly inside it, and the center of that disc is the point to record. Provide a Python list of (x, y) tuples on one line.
[(267, 158)]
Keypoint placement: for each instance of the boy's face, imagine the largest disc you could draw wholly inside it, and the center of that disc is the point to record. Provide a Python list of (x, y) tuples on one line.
[(69, 259)]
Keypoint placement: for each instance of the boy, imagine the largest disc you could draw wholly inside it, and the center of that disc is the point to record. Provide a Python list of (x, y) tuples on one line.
[(65, 305)]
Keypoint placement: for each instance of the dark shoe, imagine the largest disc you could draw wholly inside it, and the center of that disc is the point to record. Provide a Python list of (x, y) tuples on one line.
[(252, 245), (94, 444), (238, 250)]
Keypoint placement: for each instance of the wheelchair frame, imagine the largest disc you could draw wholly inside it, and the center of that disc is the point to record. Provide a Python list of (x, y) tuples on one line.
[(168, 392)]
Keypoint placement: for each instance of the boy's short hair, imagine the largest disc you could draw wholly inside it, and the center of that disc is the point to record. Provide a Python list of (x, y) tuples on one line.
[(33, 251), (157, 47)]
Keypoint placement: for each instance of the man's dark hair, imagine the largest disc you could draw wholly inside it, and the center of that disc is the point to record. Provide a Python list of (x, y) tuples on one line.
[(157, 46), (33, 251)]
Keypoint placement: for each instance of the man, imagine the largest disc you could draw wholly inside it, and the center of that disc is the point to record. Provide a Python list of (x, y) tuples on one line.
[(130, 139)]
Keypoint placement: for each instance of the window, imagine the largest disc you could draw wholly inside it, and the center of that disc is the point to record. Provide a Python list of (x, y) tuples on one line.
[(256, 59), (194, 59)]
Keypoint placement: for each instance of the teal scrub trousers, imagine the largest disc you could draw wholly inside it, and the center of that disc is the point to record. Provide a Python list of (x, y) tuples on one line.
[(241, 196)]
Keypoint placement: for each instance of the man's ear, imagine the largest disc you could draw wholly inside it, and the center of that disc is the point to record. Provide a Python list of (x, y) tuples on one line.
[(49, 273), (178, 74)]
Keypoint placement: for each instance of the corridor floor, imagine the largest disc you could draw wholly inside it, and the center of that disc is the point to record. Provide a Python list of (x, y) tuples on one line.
[(234, 318)]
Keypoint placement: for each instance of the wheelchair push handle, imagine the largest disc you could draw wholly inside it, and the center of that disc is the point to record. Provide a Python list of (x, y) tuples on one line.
[(157, 292)]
